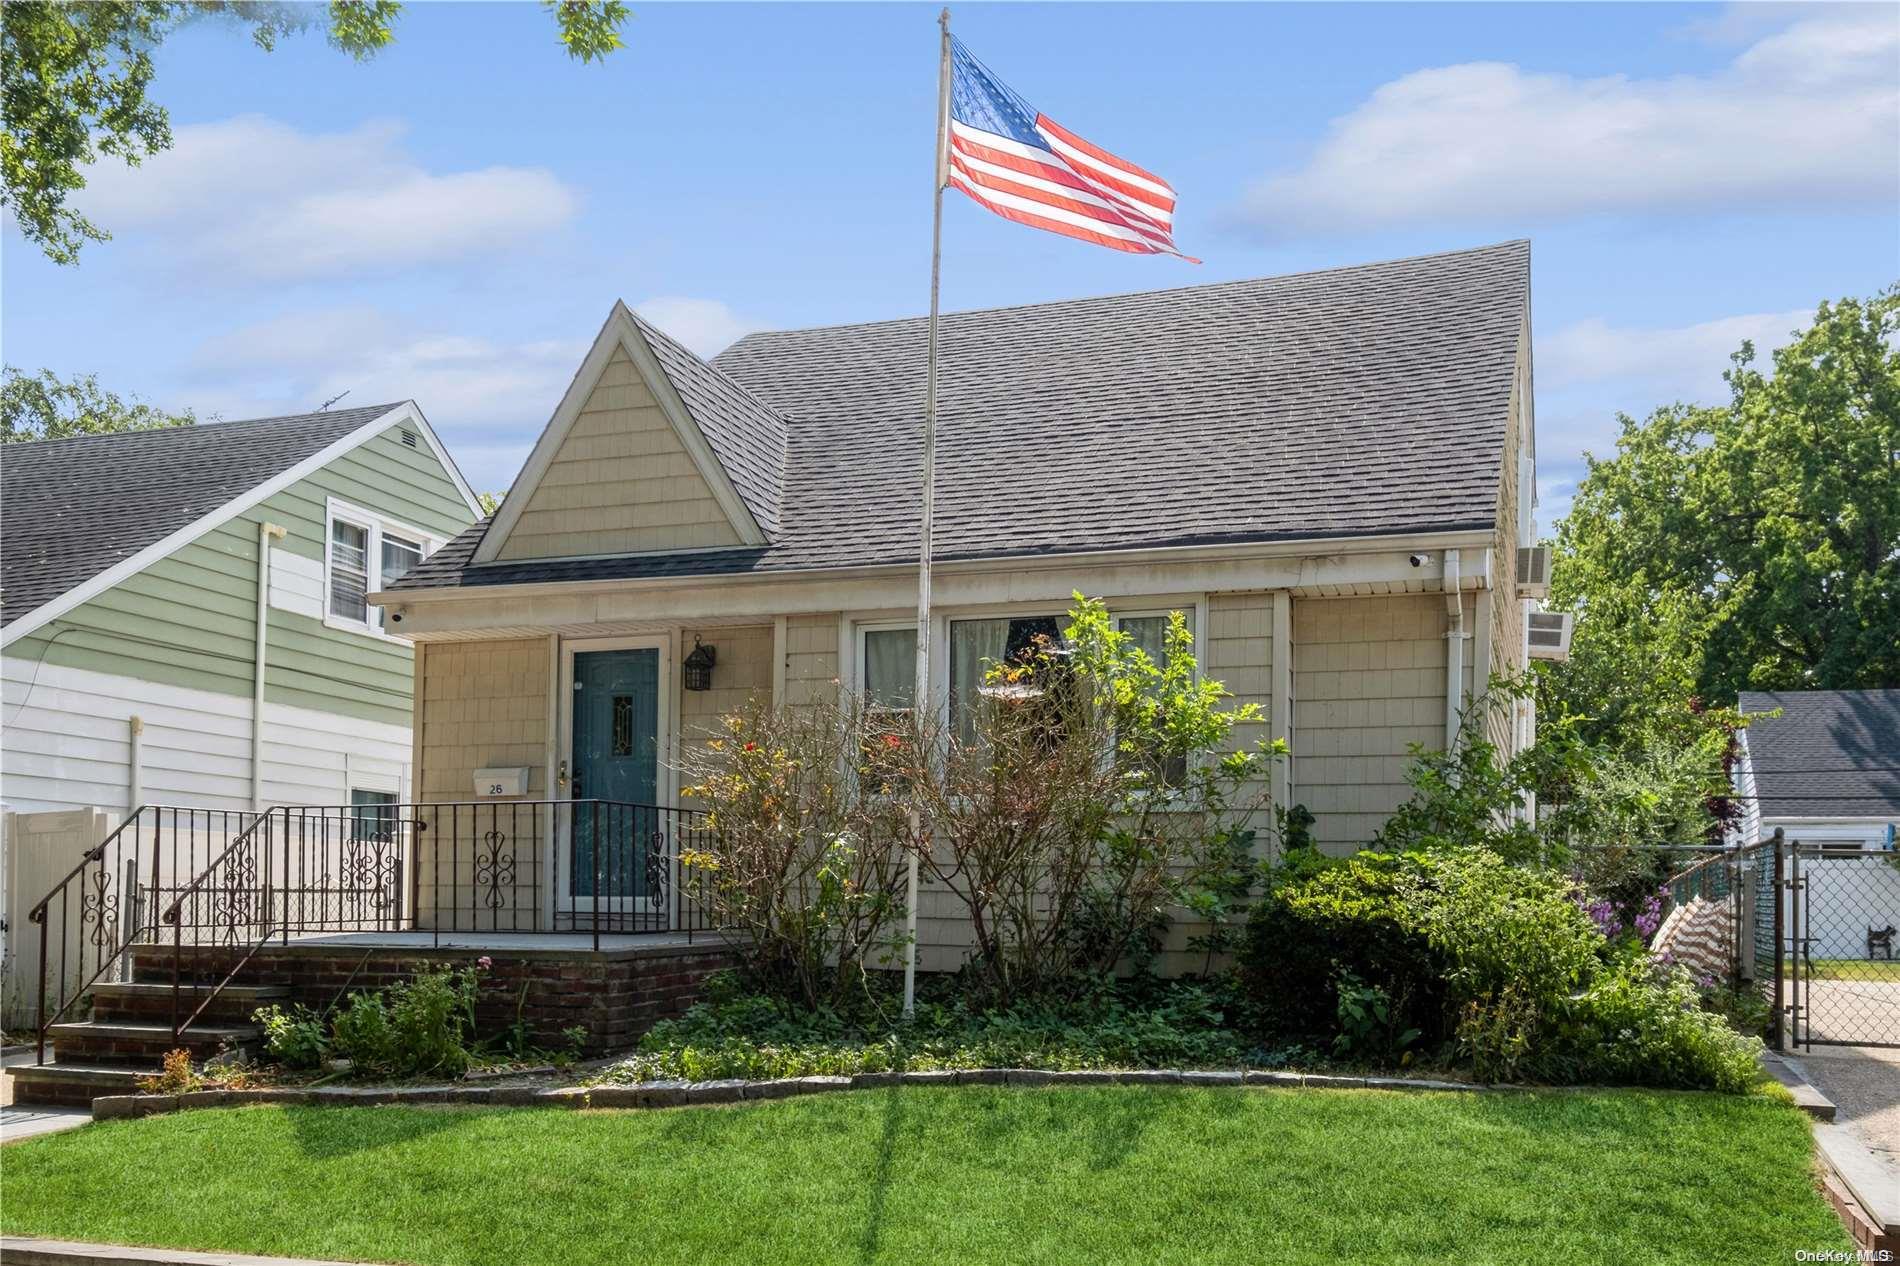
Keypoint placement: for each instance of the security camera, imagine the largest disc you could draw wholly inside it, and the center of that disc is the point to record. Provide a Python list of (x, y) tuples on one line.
[(395, 617), (1419, 560)]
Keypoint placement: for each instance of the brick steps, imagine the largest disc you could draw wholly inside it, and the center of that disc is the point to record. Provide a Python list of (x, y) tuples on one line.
[(611, 998), (73, 1084)]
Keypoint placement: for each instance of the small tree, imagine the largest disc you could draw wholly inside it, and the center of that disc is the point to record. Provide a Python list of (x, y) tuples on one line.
[(802, 871), (1090, 792)]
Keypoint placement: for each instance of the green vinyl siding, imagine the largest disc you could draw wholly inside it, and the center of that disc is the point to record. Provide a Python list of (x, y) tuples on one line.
[(187, 619)]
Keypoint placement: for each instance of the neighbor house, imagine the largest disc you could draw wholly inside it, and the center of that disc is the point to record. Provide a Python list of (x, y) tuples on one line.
[(186, 624), (1331, 474), (1824, 769)]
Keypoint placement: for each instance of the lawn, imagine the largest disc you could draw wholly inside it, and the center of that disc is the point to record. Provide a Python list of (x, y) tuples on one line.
[(1086, 1174), (1854, 969)]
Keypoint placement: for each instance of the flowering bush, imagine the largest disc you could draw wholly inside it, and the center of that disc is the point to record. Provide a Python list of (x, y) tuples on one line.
[(803, 861)]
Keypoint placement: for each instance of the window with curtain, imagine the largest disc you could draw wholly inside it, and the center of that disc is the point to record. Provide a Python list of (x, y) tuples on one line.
[(890, 668), (977, 644), (890, 692)]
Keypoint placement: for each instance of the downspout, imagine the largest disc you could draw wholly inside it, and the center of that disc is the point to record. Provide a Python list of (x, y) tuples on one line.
[(135, 793), (1454, 650), (266, 533)]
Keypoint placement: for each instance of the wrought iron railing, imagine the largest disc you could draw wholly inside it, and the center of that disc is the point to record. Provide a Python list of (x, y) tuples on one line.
[(112, 899), (488, 868)]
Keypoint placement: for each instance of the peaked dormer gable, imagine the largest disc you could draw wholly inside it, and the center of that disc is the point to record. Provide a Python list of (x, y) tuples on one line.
[(651, 451)]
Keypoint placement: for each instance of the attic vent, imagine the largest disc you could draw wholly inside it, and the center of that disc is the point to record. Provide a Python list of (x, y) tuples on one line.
[(1547, 634), (409, 440), (1533, 571)]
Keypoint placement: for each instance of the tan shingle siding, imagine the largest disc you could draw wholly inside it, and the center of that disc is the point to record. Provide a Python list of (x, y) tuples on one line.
[(621, 483), (1368, 681)]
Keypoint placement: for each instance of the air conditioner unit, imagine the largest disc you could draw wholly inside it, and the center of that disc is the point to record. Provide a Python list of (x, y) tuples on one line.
[(1533, 571), (1547, 634)]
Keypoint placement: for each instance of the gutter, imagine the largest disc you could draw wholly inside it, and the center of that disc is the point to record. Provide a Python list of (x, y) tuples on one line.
[(1254, 551), (266, 533)]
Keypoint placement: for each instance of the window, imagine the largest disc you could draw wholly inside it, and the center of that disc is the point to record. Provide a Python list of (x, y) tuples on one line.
[(349, 570), (889, 678), (890, 668), (977, 644), (365, 554), (372, 815)]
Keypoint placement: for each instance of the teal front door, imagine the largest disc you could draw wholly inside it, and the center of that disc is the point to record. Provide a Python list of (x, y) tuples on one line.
[(616, 745)]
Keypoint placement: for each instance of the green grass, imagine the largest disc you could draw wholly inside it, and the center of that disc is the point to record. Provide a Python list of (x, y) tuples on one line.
[(1855, 969), (976, 1174)]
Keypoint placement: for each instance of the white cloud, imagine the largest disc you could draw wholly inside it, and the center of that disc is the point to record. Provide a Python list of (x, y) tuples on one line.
[(1683, 362), (487, 397), (707, 326), (1807, 115), (260, 200)]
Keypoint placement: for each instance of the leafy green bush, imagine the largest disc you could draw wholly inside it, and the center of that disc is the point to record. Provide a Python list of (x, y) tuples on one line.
[(1323, 921), (1496, 967), (1641, 1023), (418, 1026), (295, 1038)]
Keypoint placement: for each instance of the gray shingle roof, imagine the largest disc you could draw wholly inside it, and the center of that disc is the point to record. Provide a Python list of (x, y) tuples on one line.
[(70, 509), (1349, 402), (1830, 754), (745, 434)]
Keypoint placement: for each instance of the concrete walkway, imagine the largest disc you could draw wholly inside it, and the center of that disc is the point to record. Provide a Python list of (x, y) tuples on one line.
[(23, 1121), (19, 1250), (1864, 1083)]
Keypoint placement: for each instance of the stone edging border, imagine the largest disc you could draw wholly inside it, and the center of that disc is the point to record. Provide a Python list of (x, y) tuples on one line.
[(674, 1094)]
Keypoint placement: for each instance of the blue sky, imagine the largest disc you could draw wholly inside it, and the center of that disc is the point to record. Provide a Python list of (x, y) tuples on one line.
[(452, 220)]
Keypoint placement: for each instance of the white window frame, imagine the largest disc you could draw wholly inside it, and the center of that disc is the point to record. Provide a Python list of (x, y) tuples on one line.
[(336, 510), (856, 624)]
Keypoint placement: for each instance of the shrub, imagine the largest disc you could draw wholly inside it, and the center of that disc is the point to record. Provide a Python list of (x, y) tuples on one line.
[(297, 1038), (804, 872), (1498, 966), (1065, 863), (420, 1026), (1323, 921), (1641, 1023), (176, 1077)]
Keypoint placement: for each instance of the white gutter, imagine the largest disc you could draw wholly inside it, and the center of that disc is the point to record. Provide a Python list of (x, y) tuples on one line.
[(266, 533), (1454, 649)]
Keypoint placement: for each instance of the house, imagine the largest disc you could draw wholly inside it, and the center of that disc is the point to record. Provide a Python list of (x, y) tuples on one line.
[(186, 624), (1824, 769), (1329, 473)]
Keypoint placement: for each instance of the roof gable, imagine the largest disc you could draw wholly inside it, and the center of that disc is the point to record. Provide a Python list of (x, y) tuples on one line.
[(651, 450), (80, 514)]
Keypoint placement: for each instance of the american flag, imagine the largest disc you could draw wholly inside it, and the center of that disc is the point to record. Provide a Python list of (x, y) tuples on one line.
[(1021, 164)]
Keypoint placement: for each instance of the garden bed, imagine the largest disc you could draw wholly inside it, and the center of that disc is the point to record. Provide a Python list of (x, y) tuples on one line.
[(989, 1173)]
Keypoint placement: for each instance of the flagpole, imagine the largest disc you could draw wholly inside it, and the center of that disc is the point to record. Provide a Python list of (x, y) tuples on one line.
[(920, 699)]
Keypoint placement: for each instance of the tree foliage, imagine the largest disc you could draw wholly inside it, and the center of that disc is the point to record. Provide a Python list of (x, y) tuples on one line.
[(44, 406), (75, 79), (1750, 545)]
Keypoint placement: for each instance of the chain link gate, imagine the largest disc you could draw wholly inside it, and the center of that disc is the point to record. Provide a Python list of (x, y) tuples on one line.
[(1843, 978)]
